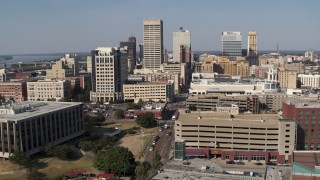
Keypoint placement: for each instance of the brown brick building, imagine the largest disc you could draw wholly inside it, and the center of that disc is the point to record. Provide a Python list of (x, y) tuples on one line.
[(307, 116), (15, 90)]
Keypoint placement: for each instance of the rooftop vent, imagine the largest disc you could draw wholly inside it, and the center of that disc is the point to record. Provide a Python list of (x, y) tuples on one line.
[(199, 117)]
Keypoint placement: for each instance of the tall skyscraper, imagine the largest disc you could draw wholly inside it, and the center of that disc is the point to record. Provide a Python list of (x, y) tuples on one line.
[(252, 53), (153, 43), (231, 44), (181, 38), (108, 74), (130, 47)]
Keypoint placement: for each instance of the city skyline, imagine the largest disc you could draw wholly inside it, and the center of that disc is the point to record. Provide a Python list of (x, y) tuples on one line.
[(59, 26)]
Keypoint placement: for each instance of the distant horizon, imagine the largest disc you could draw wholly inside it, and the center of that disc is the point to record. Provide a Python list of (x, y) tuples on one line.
[(34, 27), (88, 52)]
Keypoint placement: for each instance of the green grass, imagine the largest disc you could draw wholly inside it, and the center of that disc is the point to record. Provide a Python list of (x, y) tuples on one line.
[(146, 141)]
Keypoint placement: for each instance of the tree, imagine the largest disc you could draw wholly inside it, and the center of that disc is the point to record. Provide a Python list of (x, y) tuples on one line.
[(87, 145), (146, 120), (119, 113), (192, 107), (156, 161), (63, 152), (141, 172), (100, 119), (106, 141), (140, 103), (118, 160), (49, 150), (20, 158)]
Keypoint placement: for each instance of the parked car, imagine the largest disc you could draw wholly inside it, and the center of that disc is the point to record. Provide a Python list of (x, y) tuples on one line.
[(160, 129), (168, 133), (258, 163), (271, 163), (151, 149), (230, 162), (240, 163)]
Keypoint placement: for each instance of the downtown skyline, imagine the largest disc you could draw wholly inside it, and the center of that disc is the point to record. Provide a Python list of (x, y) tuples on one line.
[(79, 26)]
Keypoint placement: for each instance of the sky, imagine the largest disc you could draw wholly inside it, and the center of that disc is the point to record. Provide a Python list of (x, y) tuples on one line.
[(44, 26)]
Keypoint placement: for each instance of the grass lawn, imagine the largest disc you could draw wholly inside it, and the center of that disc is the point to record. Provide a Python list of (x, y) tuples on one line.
[(53, 167)]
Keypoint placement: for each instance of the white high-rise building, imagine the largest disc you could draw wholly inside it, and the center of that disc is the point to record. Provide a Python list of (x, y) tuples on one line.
[(182, 37), (231, 44), (108, 74), (310, 80), (153, 43)]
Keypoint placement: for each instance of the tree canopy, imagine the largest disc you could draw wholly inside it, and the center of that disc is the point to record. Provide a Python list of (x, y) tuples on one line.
[(141, 172), (63, 152), (118, 160), (156, 161), (119, 113), (192, 108), (146, 120), (87, 145), (20, 158)]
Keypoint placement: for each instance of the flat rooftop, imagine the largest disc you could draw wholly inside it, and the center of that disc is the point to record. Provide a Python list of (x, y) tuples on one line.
[(38, 109), (225, 116), (303, 105)]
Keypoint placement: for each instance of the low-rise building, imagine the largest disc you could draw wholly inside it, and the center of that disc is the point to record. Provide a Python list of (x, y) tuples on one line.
[(245, 137), (47, 90), (159, 110), (31, 126), (305, 165), (146, 91), (14, 90), (309, 80)]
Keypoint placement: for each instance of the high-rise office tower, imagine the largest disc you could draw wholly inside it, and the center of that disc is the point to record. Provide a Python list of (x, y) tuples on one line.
[(181, 38), (108, 74), (153, 43), (231, 44), (252, 53), (130, 47), (141, 52)]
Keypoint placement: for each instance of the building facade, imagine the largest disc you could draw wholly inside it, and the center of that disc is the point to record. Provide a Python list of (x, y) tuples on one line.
[(231, 44), (152, 44), (156, 92), (47, 90), (307, 117), (14, 90), (131, 48), (287, 78), (246, 137), (31, 126), (181, 42), (309, 80), (252, 51), (108, 74)]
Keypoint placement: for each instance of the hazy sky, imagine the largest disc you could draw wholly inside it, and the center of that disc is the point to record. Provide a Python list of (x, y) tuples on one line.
[(47, 26)]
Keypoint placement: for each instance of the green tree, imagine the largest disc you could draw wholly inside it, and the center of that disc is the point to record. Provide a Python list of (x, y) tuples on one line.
[(141, 172), (87, 145), (146, 120), (119, 113), (106, 141), (49, 150), (156, 161), (192, 107), (63, 152), (140, 103), (20, 158), (118, 160), (100, 119)]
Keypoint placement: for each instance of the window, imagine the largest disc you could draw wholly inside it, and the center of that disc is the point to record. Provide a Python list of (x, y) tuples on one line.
[(227, 156), (287, 125), (258, 157), (286, 152), (240, 157), (300, 112), (288, 130), (273, 157)]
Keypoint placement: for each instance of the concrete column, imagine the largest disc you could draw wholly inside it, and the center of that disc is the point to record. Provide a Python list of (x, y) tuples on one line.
[(37, 132), (41, 131), (55, 126), (51, 130), (14, 137), (31, 132), (46, 129), (8, 138), (26, 136), (20, 137), (60, 119), (2, 137)]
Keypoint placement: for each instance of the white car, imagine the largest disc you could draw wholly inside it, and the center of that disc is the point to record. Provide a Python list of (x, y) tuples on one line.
[(151, 149), (160, 129)]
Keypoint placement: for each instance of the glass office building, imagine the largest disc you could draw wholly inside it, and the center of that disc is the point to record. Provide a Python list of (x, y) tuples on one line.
[(231, 44)]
